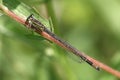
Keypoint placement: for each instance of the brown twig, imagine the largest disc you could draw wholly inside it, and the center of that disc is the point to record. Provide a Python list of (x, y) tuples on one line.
[(11, 14), (46, 35)]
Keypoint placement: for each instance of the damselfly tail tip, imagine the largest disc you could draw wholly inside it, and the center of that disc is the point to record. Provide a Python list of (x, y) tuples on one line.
[(97, 68)]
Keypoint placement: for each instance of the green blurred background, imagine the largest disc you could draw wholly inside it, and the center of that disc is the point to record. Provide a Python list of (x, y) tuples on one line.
[(92, 26)]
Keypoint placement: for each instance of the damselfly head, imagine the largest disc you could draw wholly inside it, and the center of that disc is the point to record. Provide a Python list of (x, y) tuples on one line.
[(28, 21)]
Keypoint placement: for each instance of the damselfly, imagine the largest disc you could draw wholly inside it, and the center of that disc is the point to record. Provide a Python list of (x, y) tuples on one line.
[(40, 28)]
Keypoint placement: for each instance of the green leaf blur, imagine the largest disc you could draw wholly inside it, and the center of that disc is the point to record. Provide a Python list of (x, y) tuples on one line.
[(92, 26)]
